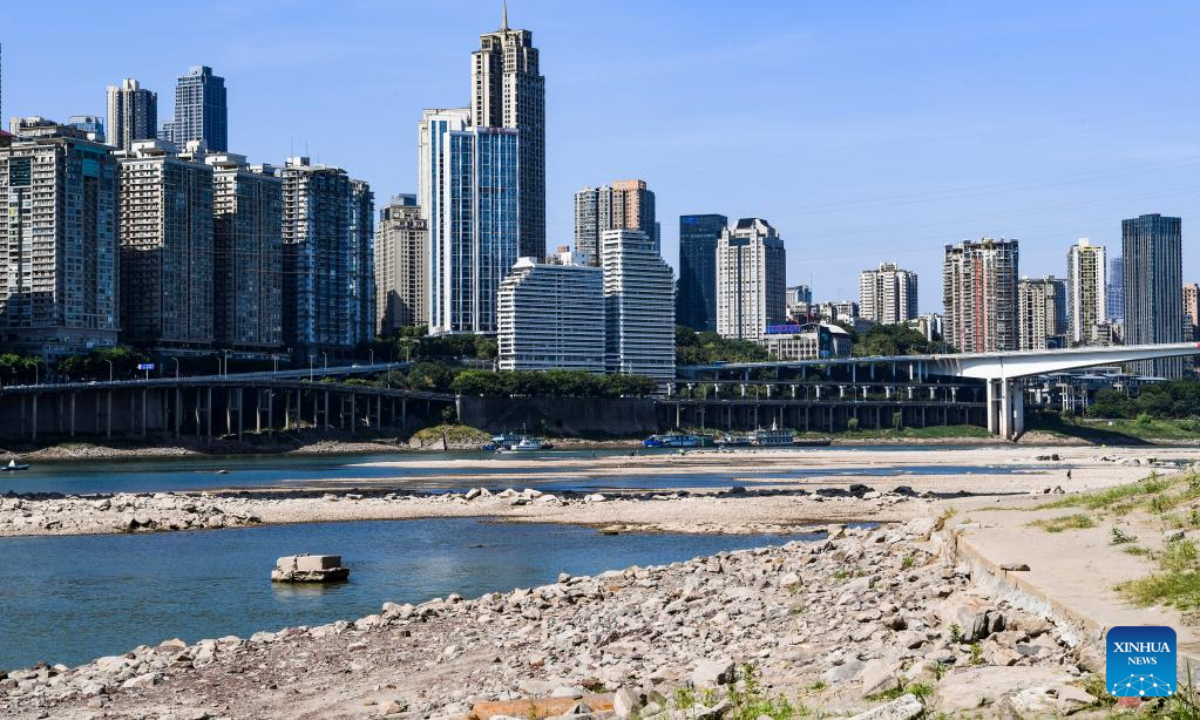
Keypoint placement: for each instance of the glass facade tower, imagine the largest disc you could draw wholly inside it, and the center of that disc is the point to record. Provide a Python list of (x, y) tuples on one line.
[(696, 302), (1152, 250)]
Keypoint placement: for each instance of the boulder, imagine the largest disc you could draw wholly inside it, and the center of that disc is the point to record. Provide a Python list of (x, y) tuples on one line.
[(627, 702), (712, 673), (968, 690), (975, 618), (905, 707), (1047, 701), (846, 672), (878, 676)]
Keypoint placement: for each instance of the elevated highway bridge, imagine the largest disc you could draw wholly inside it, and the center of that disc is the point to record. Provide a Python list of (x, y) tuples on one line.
[(215, 405), (1001, 374)]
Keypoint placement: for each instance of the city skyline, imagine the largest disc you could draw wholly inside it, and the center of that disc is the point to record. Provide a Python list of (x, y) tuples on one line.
[(894, 183)]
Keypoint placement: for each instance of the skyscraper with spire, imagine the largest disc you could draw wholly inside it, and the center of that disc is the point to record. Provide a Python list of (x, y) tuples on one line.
[(508, 91)]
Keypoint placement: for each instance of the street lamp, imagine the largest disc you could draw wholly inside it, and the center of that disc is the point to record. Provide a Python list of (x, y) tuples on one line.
[(110, 370), (311, 359), (176, 367), (225, 354), (325, 361)]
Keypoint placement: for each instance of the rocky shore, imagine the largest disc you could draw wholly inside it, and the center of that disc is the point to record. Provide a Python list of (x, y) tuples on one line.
[(733, 510), (867, 623)]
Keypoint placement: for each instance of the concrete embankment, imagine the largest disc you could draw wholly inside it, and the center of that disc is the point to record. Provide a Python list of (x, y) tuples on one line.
[(1070, 575), (838, 625)]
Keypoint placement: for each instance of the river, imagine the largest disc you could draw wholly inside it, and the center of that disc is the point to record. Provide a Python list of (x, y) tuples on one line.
[(72, 599), (407, 472)]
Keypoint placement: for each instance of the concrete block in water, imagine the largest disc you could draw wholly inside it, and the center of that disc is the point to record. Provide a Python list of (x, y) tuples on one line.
[(309, 568), (308, 563)]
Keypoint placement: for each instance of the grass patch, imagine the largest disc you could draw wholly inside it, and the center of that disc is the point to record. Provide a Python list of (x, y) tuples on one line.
[(1176, 584), (1095, 686), (1078, 521), (917, 689), (750, 702), (933, 432), (1120, 537), (1180, 590), (1117, 431), (1122, 497)]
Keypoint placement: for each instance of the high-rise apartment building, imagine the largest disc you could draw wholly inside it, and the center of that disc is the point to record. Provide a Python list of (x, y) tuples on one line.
[(887, 296), (37, 126), (798, 295), (247, 254), (551, 317), (696, 303), (625, 204), (201, 111), (58, 243), (469, 194), (751, 279), (1087, 291), (401, 265), (1116, 290), (639, 306), (1042, 313), (979, 283), (362, 233), (1191, 310), (166, 229), (1152, 251), (328, 301), (92, 126), (433, 166), (132, 114), (508, 91)]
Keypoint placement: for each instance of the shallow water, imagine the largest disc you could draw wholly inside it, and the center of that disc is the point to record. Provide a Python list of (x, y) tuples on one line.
[(409, 473), (72, 599)]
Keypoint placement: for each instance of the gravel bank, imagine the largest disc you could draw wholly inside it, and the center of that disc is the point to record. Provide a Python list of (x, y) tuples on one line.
[(831, 625), (724, 512)]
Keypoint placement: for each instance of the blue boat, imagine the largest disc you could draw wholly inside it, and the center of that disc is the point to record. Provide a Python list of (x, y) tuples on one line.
[(678, 440)]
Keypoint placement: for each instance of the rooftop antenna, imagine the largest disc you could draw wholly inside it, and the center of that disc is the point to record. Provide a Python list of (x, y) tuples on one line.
[(504, 19)]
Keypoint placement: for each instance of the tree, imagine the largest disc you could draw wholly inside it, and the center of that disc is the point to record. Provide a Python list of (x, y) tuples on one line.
[(484, 383), (1176, 400), (95, 365), (890, 340), (18, 369), (629, 385), (693, 348), (429, 377)]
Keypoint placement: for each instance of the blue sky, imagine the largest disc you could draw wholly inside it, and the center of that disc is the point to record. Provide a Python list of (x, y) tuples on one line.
[(864, 131)]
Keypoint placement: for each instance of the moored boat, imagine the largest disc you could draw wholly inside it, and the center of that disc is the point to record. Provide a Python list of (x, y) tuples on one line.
[(678, 440), (14, 466), (771, 438), (525, 443)]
